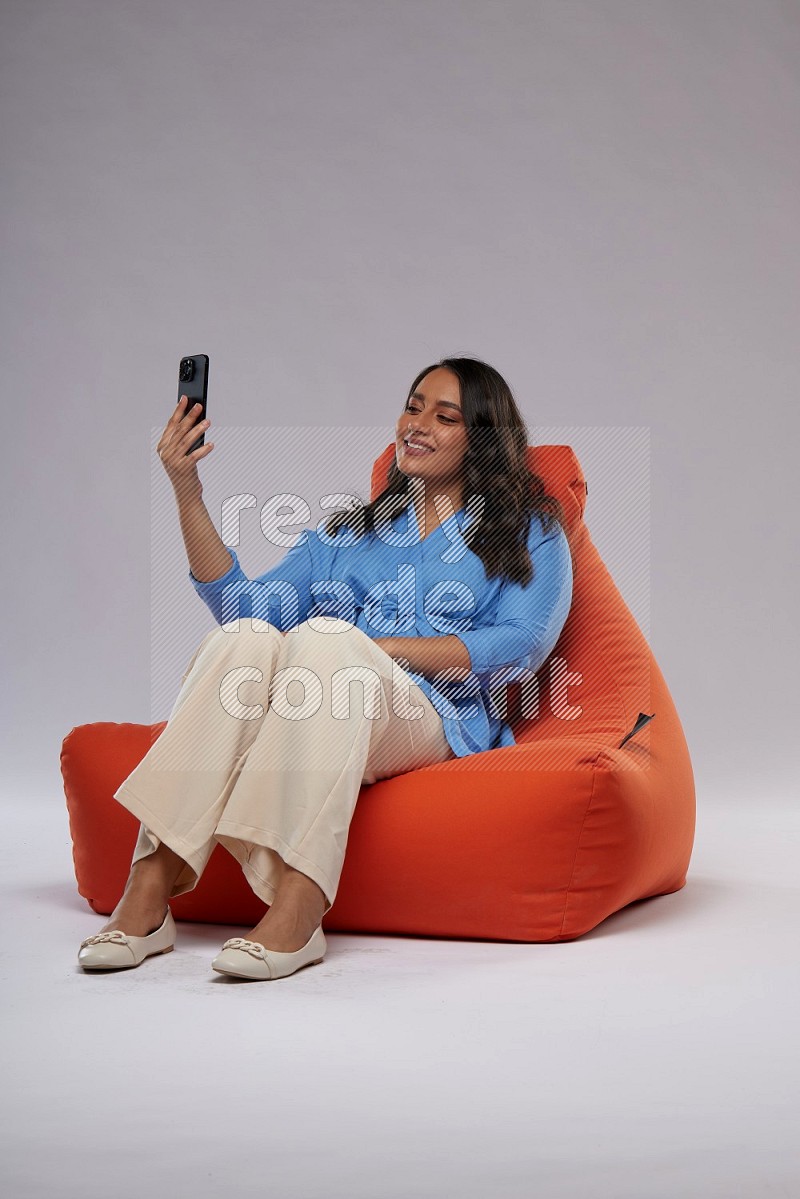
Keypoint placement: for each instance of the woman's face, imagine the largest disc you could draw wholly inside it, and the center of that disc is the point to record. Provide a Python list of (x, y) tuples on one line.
[(432, 418)]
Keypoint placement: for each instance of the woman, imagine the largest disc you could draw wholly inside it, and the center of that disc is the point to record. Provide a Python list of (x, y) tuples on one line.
[(461, 538)]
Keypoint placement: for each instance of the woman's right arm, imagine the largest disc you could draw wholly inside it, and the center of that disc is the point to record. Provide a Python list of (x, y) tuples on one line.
[(208, 557), (282, 595)]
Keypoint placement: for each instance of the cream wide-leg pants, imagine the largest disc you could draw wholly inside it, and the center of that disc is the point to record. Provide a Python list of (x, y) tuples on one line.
[(267, 746)]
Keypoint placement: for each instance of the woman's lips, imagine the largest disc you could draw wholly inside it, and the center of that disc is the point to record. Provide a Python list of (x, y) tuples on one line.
[(414, 451)]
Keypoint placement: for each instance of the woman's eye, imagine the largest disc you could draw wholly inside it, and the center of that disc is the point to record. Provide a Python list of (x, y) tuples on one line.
[(447, 419)]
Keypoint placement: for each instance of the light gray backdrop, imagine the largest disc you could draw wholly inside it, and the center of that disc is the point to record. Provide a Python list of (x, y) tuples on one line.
[(600, 199)]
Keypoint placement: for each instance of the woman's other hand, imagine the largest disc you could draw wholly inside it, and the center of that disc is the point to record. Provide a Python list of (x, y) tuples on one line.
[(180, 431)]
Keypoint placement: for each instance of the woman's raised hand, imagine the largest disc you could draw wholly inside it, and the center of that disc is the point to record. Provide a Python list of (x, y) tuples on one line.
[(180, 431)]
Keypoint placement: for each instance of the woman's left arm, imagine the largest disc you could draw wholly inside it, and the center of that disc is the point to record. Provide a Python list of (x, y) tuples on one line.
[(429, 655), (528, 620), (526, 627)]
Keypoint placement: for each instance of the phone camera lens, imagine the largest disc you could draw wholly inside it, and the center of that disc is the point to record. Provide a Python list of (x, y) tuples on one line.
[(187, 369)]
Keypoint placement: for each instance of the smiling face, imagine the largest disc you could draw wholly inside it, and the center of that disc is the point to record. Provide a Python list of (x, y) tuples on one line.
[(432, 420)]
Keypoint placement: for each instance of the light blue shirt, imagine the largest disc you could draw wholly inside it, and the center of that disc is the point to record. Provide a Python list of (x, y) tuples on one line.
[(392, 583)]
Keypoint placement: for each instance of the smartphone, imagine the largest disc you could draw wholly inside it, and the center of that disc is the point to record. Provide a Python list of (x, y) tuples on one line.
[(193, 383)]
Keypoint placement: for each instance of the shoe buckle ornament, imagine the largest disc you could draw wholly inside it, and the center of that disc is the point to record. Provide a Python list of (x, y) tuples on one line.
[(252, 947), (117, 937)]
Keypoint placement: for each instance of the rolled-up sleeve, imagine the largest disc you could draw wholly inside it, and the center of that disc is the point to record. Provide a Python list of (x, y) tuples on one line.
[(282, 595), (529, 620)]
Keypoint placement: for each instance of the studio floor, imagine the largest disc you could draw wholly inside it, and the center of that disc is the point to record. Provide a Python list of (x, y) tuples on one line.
[(654, 1058)]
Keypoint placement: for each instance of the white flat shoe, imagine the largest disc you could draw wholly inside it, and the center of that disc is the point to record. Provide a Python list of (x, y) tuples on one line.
[(115, 950), (249, 959)]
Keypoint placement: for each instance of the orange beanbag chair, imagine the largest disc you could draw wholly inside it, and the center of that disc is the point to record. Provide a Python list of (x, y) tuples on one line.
[(592, 809)]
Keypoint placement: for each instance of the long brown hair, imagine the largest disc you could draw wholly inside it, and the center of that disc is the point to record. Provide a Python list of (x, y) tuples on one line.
[(494, 467)]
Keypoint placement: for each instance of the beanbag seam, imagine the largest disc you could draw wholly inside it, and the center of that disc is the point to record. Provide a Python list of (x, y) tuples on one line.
[(599, 755)]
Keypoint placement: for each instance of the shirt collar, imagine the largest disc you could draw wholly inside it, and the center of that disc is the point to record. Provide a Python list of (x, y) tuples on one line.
[(457, 517)]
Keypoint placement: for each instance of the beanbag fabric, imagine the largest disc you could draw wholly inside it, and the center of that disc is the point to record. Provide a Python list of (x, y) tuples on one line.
[(591, 810)]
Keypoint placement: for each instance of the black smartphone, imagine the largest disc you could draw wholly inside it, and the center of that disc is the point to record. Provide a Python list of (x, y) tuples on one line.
[(193, 383)]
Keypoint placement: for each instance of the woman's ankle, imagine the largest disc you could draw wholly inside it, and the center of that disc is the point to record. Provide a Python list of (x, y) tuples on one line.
[(158, 871)]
